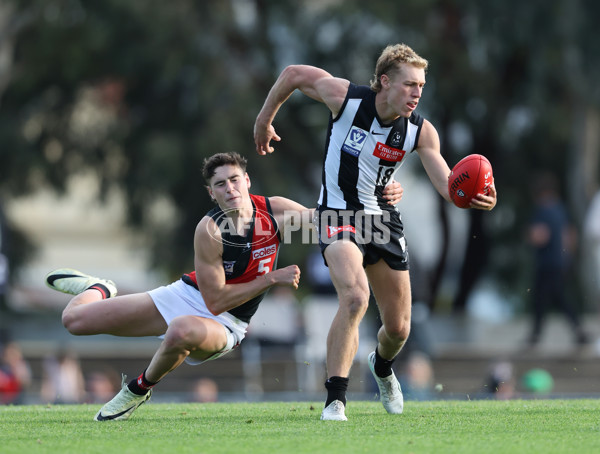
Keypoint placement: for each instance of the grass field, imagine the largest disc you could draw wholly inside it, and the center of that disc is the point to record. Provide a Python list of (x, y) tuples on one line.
[(518, 426)]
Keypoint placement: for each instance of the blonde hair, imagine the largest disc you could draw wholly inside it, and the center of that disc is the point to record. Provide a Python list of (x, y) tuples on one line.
[(389, 60)]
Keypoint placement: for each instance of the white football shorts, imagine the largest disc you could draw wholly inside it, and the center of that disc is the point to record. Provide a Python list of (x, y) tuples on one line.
[(179, 298)]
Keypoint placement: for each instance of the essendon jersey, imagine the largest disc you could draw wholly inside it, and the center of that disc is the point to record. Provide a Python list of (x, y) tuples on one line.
[(362, 155), (246, 257)]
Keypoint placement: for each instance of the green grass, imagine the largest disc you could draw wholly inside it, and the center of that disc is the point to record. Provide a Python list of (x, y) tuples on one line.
[(519, 426)]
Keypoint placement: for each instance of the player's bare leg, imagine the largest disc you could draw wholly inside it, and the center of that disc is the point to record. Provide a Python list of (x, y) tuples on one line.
[(95, 309), (188, 335), (347, 274), (128, 316), (391, 289)]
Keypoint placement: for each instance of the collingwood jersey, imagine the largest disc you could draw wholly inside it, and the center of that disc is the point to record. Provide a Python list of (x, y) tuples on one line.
[(362, 155)]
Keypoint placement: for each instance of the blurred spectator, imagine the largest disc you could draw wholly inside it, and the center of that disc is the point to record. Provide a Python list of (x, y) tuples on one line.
[(3, 275), (417, 380), (205, 390), (63, 379), (15, 374), (538, 381), (4, 270), (553, 239), (591, 231), (101, 385), (501, 381)]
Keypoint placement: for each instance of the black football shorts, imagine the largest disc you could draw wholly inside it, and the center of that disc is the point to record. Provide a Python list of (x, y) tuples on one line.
[(378, 236)]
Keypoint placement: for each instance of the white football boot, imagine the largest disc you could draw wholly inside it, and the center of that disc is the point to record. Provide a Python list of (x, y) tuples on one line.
[(335, 411), (74, 282), (390, 392), (122, 405)]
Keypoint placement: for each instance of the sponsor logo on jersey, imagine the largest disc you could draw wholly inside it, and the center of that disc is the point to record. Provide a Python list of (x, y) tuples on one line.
[(387, 153), (332, 231), (355, 141), (264, 252), (228, 266)]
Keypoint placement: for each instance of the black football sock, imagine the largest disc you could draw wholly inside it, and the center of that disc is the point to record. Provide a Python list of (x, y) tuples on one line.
[(140, 385), (336, 389), (383, 367)]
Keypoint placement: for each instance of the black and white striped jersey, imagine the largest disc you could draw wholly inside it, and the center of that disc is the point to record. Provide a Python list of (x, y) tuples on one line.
[(362, 155)]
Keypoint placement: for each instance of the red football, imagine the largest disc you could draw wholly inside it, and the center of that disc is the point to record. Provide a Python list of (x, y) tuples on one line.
[(472, 175)]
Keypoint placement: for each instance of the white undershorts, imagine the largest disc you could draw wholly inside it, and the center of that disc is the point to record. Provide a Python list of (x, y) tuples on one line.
[(179, 298)]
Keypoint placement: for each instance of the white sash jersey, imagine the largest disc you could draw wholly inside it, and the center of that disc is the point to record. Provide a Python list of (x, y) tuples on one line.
[(362, 155)]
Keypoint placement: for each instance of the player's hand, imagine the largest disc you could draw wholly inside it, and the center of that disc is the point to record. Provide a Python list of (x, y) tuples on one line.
[(263, 136), (290, 275), (485, 202), (393, 193)]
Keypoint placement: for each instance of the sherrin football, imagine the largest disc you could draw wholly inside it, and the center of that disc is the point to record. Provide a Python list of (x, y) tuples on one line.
[(472, 175)]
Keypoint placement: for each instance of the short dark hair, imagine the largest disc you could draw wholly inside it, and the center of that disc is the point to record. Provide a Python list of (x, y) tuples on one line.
[(222, 159)]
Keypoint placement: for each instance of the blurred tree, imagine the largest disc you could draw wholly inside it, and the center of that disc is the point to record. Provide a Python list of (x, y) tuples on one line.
[(138, 91), (142, 91)]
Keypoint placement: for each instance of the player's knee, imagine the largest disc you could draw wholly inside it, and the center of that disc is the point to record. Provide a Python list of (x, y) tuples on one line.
[(398, 332), (179, 334), (73, 322), (355, 302), (68, 320)]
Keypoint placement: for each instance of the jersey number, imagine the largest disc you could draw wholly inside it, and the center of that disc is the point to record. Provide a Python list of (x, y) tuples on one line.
[(263, 266), (383, 176)]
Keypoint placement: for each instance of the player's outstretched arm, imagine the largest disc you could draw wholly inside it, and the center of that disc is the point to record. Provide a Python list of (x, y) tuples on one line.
[(290, 215), (438, 171), (435, 165), (314, 82)]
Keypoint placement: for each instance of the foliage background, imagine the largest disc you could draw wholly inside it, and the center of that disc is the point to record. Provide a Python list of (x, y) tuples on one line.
[(140, 92)]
